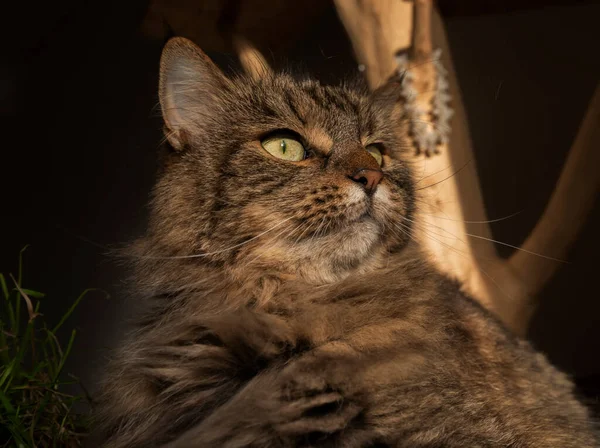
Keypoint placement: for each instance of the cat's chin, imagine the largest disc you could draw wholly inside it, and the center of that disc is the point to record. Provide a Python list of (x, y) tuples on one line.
[(354, 248)]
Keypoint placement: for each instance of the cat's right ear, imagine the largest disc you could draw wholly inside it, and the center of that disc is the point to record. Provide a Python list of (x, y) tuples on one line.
[(388, 95), (189, 89)]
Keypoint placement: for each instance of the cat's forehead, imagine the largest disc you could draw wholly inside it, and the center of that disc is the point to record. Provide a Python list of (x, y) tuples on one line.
[(324, 112)]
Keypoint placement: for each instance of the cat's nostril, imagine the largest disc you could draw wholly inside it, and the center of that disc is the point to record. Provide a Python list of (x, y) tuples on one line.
[(368, 178)]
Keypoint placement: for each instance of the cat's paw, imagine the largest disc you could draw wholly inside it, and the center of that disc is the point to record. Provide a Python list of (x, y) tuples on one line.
[(325, 412), (312, 400), (253, 338)]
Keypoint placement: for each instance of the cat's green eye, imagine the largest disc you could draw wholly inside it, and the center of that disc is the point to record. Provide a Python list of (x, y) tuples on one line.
[(284, 147), (376, 153)]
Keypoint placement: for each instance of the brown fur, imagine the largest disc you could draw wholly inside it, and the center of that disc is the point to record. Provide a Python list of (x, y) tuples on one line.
[(285, 307)]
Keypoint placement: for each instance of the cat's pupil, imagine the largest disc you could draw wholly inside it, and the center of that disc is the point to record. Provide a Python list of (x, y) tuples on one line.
[(283, 146)]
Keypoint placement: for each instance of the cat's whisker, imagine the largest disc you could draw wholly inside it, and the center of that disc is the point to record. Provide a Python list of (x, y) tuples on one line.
[(179, 257), (299, 237), (406, 230), (447, 235), (432, 174), (249, 240), (279, 234), (446, 178), (426, 227), (306, 229), (270, 239), (447, 218), (517, 248), (435, 206), (413, 65), (463, 254), (325, 227), (428, 234), (391, 229), (472, 235), (315, 234)]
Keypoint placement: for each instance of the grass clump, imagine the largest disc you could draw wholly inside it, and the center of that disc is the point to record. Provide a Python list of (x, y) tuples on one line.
[(35, 408)]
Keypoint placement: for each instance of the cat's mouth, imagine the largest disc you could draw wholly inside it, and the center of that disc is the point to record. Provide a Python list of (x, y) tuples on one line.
[(366, 215), (344, 219), (338, 220), (362, 207), (333, 218)]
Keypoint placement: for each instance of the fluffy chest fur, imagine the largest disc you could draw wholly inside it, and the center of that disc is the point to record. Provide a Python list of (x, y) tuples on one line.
[(400, 358)]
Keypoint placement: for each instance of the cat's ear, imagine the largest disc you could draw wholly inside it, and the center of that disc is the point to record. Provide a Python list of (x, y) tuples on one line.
[(387, 96), (253, 62), (189, 89)]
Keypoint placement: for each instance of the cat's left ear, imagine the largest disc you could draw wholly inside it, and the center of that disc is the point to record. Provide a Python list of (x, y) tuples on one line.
[(189, 88)]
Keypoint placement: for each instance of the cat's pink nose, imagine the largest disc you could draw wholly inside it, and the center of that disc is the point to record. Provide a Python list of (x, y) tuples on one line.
[(368, 178)]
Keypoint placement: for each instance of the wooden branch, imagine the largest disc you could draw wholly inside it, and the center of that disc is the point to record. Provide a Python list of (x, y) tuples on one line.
[(455, 197), (523, 275), (378, 30), (422, 45), (568, 208), (448, 186)]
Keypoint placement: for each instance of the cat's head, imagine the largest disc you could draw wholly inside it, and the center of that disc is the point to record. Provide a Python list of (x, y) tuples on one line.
[(289, 176)]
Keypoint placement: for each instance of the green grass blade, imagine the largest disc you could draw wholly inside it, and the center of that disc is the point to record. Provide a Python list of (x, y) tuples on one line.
[(23, 345), (39, 411), (34, 294), (62, 423), (66, 355), (49, 342), (7, 371), (4, 349), (34, 400), (20, 272), (11, 315), (71, 309), (4, 287), (17, 312), (7, 405), (19, 282), (15, 428)]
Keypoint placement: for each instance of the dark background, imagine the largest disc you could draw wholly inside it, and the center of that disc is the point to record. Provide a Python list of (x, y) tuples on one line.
[(81, 128)]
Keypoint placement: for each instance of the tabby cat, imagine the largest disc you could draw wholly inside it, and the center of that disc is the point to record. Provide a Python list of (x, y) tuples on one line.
[(283, 306)]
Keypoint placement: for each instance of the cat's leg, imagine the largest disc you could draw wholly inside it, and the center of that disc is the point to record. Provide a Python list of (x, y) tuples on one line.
[(263, 414), (311, 399), (153, 389), (167, 379)]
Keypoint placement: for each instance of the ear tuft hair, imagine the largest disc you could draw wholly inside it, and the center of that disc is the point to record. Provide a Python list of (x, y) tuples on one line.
[(251, 59)]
